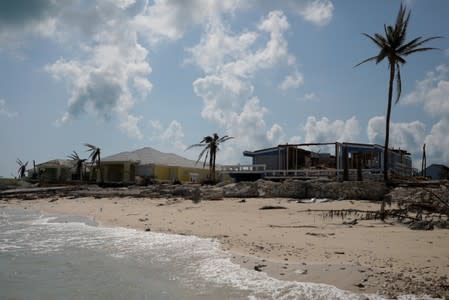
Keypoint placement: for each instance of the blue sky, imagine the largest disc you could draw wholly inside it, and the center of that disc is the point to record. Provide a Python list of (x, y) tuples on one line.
[(125, 74)]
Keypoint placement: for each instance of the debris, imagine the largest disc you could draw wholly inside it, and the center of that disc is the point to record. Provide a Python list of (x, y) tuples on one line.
[(259, 267), (272, 207), (353, 222)]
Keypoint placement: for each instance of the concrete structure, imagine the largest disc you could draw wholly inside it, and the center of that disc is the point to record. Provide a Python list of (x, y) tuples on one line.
[(152, 164), (437, 171), (343, 161)]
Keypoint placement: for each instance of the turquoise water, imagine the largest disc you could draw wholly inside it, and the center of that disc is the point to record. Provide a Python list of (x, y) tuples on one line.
[(71, 258)]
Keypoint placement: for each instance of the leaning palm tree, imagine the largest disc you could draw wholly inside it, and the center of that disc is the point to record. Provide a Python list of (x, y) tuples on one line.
[(22, 168), (393, 47), (78, 163), (210, 148), (95, 157)]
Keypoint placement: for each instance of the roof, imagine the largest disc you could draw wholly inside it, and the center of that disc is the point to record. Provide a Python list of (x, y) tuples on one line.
[(149, 155), (57, 163), (351, 147), (438, 166), (271, 150)]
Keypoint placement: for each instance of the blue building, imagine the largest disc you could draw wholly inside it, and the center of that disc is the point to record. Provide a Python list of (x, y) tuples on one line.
[(437, 171)]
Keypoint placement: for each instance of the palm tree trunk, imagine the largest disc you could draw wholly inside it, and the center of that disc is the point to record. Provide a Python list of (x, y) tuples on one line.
[(211, 162), (387, 133), (213, 166), (99, 167)]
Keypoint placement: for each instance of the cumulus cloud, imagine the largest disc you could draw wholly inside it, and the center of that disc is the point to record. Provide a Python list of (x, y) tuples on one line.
[(169, 19), (26, 17), (325, 130), (292, 81), (408, 136), (432, 92), (168, 138), (318, 12), (437, 143), (4, 111), (230, 62), (112, 74)]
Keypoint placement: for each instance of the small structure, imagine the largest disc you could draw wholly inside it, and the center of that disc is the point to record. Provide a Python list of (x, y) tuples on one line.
[(56, 170), (150, 163), (349, 161), (437, 171)]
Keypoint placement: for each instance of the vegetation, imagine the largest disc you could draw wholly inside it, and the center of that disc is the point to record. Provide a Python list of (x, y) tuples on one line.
[(95, 158), (210, 148), (394, 48), (22, 168), (78, 163)]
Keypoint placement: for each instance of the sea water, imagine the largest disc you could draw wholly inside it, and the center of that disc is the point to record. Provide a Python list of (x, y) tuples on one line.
[(45, 257)]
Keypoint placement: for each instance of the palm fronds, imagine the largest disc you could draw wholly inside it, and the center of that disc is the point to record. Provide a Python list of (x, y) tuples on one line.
[(22, 168), (95, 157), (210, 148)]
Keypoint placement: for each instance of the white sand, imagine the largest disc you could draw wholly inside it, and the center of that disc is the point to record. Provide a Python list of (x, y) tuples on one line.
[(293, 243)]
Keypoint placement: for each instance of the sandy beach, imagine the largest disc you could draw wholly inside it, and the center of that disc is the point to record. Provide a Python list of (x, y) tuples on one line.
[(293, 242)]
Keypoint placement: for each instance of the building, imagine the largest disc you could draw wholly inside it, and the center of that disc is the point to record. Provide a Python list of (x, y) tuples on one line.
[(56, 170), (150, 163), (437, 172), (342, 161)]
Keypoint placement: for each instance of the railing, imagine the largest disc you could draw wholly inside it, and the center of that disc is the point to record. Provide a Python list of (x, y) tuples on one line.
[(243, 168), (301, 173), (366, 174)]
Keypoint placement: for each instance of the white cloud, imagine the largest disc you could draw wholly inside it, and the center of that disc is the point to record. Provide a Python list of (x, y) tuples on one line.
[(327, 131), (112, 74), (276, 135), (170, 19), (129, 124), (292, 81), (437, 143), (230, 62), (309, 97), (408, 136), (4, 111), (432, 92), (318, 12), (169, 138)]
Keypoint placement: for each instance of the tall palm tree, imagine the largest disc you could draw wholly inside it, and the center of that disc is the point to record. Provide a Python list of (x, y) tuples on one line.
[(95, 157), (22, 168), (78, 163), (210, 148), (394, 48)]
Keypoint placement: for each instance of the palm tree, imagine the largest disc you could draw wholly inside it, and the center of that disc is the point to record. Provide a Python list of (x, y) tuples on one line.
[(393, 47), (210, 144), (78, 162), (95, 157), (22, 168)]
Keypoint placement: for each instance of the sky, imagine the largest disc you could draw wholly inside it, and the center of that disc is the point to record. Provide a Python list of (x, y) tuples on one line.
[(127, 74)]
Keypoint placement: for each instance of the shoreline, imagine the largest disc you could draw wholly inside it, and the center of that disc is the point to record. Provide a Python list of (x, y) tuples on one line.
[(288, 244)]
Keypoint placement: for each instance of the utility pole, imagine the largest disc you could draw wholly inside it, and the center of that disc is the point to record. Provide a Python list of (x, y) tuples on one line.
[(423, 162)]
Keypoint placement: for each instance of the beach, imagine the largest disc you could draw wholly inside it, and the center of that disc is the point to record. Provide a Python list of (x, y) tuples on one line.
[(291, 241)]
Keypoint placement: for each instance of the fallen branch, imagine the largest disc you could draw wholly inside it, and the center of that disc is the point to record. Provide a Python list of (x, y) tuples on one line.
[(292, 226)]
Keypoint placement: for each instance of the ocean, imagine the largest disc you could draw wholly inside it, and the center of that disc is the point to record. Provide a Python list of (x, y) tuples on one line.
[(44, 257)]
